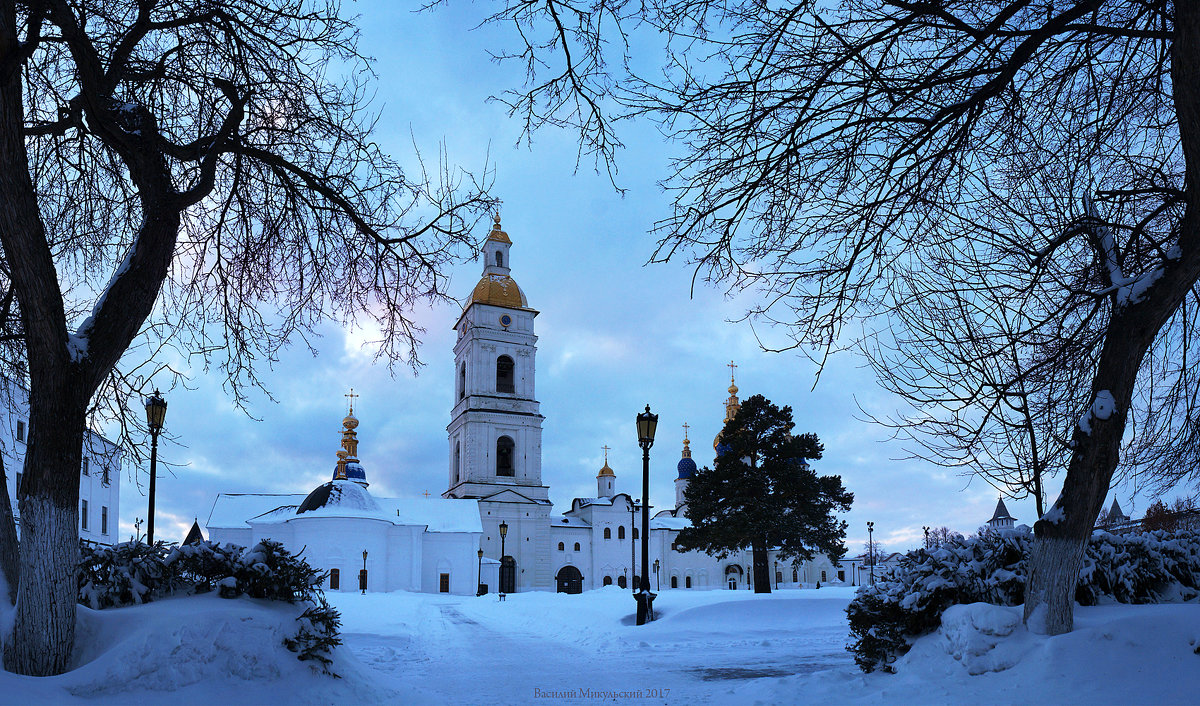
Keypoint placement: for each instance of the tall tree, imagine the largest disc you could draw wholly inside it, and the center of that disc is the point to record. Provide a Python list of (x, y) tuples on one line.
[(1024, 170), (197, 174), (761, 493)]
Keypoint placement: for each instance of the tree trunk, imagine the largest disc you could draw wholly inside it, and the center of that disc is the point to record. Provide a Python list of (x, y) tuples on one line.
[(9, 563), (44, 628), (1050, 591), (762, 577)]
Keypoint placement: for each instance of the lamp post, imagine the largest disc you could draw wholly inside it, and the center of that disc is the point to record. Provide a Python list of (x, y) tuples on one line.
[(632, 544), (926, 536), (362, 575), (156, 412), (479, 575), (871, 549), (503, 566), (776, 574), (646, 425), (657, 581)]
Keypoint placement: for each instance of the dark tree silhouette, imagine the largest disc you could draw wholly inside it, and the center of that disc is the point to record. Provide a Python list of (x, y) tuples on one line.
[(1003, 194), (189, 173), (761, 493)]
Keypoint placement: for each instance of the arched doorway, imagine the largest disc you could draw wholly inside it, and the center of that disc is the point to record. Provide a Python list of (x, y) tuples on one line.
[(508, 575), (569, 580), (733, 573)]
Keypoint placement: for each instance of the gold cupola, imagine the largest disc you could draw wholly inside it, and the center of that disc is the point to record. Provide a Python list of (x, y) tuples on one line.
[(497, 287), (732, 404), (348, 467), (605, 471)]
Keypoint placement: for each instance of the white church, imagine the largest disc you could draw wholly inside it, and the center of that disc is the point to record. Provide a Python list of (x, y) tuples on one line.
[(493, 528)]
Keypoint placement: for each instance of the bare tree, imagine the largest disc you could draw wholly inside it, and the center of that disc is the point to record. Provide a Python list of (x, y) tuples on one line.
[(1027, 167), (196, 174)]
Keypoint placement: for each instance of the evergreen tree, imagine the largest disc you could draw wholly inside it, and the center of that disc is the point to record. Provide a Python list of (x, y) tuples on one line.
[(762, 494)]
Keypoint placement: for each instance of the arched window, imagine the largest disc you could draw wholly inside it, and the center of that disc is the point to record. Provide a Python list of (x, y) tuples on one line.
[(504, 456), (621, 581), (607, 533), (823, 576), (335, 580), (795, 576), (562, 547), (674, 582), (621, 532), (607, 580), (499, 263), (462, 381), (457, 461), (577, 546), (687, 582), (504, 375), (635, 533)]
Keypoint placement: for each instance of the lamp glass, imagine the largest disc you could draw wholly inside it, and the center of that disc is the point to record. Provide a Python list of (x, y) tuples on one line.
[(503, 529), (646, 425), (156, 410)]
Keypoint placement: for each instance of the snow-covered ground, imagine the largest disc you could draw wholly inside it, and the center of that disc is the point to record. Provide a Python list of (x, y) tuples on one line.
[(708, 647)]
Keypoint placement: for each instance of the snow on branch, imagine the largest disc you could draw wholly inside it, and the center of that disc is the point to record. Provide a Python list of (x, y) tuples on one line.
[(1102, 408)]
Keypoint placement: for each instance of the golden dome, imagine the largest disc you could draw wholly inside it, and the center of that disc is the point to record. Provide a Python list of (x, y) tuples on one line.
[(498, 290), (497, 234), (606, 471)]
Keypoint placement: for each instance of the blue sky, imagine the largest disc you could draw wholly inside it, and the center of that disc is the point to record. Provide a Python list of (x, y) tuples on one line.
[(615, 334)]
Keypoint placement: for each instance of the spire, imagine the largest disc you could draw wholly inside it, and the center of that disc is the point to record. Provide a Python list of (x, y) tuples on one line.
[(497, 233), (1115, 511), (605, 471), (348, 467), (687, 451), (732, 404)]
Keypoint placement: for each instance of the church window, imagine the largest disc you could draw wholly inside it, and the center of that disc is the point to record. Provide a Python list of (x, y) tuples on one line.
[(795, 576), (335, 579), (607, 580), (823, 576), (85, 466), (504, 375), (462, 381), (621, 581), (103, 519), (621, 532), (687, 582), (842, 575), (83, 515), (778, 576), (562, 547), (499, 263), (635, 533), (443, 583), (20, 430), (504, 456), (457, 461), (674, 582), (607, 533), (577, 546)]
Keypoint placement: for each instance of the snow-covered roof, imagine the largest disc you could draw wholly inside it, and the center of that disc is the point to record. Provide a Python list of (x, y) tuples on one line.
[(667, 522), (570, 522), (1001, 512), (236, 511)]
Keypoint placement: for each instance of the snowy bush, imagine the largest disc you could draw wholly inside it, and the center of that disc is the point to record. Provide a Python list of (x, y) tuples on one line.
[(991, 568), (133, 573)]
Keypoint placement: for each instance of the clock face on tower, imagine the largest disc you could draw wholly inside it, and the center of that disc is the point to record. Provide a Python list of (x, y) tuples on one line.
[(505, 320)]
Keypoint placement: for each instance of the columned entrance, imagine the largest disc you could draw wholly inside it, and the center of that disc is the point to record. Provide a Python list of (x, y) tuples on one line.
[(569, 580)]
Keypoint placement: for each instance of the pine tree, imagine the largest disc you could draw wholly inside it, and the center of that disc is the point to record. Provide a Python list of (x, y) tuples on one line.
[(763, 494)]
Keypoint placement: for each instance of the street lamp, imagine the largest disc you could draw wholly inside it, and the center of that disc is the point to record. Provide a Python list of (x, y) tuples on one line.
[(776, 574), (503, 565), (362, 575), (646, 424), (632, 544), (156, 412), (479, 575), (657, 582), (871, 549)]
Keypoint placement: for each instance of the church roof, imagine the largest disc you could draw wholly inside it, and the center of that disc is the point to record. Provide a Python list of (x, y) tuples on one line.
[(232, 510), (237, 511), (1115, 511), (498, 290), (194, 535), (497, 234), (1001, 512), (339, 495)]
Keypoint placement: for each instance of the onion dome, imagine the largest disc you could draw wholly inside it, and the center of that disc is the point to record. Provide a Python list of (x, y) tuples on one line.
[(348, 467), (497, 234), (341, 495), (732, 405), (686, 467), (606, 472)]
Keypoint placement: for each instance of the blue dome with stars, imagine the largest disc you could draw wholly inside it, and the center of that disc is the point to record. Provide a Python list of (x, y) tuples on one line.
[(687, 468)]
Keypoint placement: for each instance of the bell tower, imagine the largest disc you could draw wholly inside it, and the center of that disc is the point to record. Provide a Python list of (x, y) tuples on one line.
[(495, 429)]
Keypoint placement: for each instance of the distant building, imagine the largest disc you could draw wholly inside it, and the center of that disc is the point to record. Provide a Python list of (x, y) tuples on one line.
[(1000, 518), (99, 473)]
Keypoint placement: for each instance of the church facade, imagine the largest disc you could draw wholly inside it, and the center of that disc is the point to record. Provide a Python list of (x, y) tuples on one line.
[(494, 524)]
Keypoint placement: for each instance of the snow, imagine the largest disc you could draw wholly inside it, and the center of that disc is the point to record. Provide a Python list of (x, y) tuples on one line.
[(1104, 405), (707, 647)]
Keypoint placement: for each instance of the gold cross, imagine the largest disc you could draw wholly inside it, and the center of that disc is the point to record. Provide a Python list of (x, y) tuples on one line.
[(606, 448), (351, 396), (732, 365), (685, 430), (426, 493)]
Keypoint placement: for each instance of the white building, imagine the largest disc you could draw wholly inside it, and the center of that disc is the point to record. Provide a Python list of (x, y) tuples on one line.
[(99, 474), (494, 482)]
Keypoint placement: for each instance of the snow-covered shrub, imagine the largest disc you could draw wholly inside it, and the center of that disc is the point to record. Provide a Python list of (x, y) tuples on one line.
[(128, 573), (318, 634), (991, 568), (133, 573)]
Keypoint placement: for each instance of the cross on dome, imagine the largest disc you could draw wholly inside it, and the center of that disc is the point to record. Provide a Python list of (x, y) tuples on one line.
[(351, 397)]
